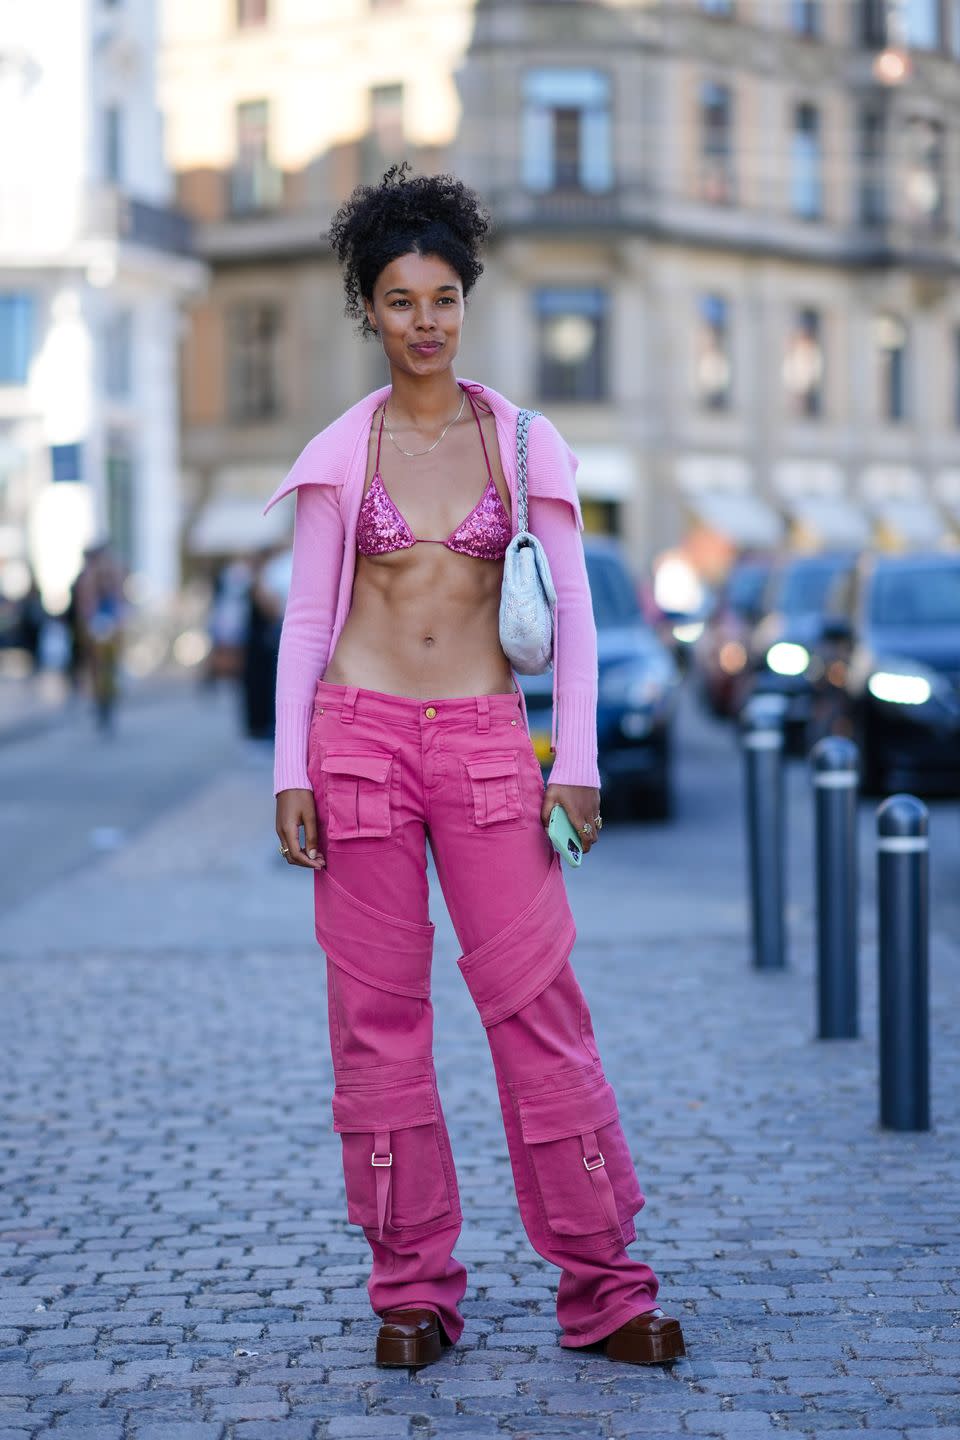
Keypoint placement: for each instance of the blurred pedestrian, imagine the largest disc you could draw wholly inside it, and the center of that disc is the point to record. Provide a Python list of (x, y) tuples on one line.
[(227, 622), (264, 618), (99, 613), (399, 718), (32, 619)]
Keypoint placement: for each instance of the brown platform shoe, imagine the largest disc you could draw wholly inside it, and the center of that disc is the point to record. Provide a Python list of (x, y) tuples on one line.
[(649, 1339), (410, 1337)]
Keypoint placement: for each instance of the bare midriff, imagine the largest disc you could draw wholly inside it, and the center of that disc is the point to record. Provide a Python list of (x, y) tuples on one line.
[(424, 621)]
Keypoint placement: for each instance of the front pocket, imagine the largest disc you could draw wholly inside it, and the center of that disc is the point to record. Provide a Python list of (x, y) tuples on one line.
[(356, 792), (493, 785), (581, 1159), (392, 1165)]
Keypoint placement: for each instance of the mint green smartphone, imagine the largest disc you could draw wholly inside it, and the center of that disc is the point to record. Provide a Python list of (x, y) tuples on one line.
[(563, 837)]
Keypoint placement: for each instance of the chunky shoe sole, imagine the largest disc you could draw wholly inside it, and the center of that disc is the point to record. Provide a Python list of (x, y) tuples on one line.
[(414, 1350), (656, 1348)]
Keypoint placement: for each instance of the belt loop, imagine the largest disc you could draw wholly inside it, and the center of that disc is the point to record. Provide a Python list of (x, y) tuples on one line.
[(349, 701), (483, 713)]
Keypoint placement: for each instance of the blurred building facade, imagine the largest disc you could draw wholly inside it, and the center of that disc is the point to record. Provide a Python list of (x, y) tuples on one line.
[(725, 261), (94, 267)]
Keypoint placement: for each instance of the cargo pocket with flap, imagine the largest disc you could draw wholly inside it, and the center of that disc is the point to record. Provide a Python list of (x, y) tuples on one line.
[(581, 1161), (392, 1165), (492, 790), (357, 793)]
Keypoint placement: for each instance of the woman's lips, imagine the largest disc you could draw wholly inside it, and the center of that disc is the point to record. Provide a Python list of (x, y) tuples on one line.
[(427, 348)]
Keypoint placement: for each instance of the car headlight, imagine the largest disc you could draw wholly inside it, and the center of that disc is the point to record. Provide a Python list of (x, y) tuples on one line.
[(905, 682), (787, 658), (688, 632)]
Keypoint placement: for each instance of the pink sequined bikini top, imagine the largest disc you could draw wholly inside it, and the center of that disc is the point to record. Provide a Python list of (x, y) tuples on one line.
[(484, 534)]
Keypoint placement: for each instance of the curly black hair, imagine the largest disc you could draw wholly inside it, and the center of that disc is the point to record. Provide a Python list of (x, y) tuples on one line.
[(429, 214)]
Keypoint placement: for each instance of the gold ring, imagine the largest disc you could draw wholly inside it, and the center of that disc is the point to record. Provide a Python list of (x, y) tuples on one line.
[(598, 822), (586, 828), (284, 850)]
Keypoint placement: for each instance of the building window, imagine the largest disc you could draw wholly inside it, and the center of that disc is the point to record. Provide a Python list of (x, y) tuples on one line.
[(385, 142), (806, 179), (567, 138), (572, 327), (113, 145), (923, 173), (714, 367), (255, 184), (921, 24), (871, 130), (873, 23), (17, 317), (251, 13), (890, 339), (717, 184), (803, 364), (254, 333), (805, 17), (118, 355)]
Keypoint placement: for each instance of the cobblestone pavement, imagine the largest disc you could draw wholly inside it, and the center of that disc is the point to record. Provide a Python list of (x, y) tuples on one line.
[(175, 1259)]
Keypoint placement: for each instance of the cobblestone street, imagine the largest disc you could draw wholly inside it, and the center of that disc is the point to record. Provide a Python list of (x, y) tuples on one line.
[(175, 1255)]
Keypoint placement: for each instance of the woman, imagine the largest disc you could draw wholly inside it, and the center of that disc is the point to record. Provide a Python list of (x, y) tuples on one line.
[(398, 719)]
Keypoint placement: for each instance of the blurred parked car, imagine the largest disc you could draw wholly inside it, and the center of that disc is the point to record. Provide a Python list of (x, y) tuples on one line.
[(638, 684), (721, 653), (784, 651), (900, 697)]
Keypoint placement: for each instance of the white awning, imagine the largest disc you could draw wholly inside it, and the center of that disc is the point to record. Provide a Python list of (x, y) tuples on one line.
[(799, 478), (947, 488), (910, 523), (605, 472), (744, 519), (235, 525), (706, 474), (830, 520)]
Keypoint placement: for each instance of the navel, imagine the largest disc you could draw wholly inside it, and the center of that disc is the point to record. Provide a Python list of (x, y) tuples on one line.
[(429, 640)]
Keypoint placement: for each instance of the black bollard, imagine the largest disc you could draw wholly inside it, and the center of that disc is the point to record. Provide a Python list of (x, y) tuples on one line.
[(904, 928), (761, 724), (835, 775)]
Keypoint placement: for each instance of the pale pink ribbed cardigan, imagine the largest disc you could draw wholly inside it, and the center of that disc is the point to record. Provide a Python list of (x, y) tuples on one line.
[(328, 476)]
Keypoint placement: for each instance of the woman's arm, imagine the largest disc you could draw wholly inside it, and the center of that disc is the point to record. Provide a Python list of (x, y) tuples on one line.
[(555, 525), (307, 627)]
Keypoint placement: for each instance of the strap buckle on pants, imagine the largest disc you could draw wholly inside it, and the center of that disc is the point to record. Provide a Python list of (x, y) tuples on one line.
[(382, 1162), (483, 714), (596, 1166)]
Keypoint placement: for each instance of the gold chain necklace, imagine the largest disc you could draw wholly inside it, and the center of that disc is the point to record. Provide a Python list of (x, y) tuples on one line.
[(463, 401)]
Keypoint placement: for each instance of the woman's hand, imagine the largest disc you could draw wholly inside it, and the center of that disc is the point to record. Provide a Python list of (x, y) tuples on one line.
[(296, 808), (582, 804)]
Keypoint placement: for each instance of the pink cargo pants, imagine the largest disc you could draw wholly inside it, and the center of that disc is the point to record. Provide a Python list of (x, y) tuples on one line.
[(387, 772)]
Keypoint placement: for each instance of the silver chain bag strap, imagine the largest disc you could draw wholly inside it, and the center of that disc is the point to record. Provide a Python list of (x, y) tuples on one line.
[(528, 600)]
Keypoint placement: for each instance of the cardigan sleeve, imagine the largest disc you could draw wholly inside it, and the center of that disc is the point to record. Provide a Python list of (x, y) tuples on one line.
[(307, 627), (575, 645), (555, 519)]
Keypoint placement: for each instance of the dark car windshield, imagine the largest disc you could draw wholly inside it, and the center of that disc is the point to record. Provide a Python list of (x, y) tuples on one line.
[(745, 587), (614, 596), (803, 589), (927, 595)]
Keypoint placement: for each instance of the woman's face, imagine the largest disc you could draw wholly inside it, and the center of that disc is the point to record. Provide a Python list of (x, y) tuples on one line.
[(417, 307)]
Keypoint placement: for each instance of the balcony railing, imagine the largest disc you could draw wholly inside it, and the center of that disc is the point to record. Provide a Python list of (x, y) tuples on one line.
[(140, 222)]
